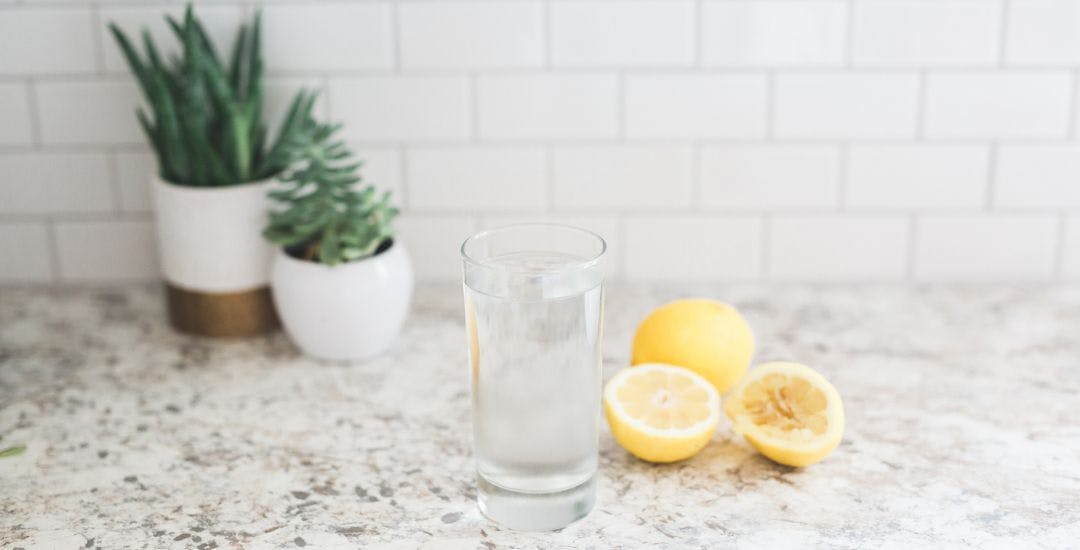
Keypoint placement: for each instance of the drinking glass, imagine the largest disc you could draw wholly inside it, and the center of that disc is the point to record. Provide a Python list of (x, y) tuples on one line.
[(534, 304)]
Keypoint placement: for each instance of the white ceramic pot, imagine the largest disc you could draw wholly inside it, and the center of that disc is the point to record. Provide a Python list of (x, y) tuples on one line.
[(350, 311), (210, 238), (214, 259)]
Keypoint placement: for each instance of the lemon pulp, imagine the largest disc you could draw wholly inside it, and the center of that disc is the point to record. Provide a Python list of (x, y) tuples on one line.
[(788, 412), (661, 413)]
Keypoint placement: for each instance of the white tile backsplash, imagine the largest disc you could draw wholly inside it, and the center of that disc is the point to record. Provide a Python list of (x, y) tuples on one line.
[(1043, 32), (470, 179), (1003, 247), (88, 112), (770, 177), (46, 41), (998, 105), (351, 36), (926, 33), (685, 248), (607, 177), (102, 251), (1038, 176), (15, 112), (434, 243), (776, 33), (471, 35), (547, 107), (381, 167), (917, 177), (630, 33), (696, 106), (401, 108), (705, 139), (26, 248), (837, 248), (838, 105), (50, 183), (134, 171)]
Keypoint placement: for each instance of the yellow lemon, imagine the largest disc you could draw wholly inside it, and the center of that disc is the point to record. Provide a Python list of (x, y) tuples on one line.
[(707, 337), (788, 412), (661, 413)]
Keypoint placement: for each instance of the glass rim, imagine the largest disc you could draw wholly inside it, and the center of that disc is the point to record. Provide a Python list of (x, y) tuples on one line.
[(578, 265)]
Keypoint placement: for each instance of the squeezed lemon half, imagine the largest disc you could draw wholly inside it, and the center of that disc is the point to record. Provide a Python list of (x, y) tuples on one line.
[(788, 412), (661, 413)]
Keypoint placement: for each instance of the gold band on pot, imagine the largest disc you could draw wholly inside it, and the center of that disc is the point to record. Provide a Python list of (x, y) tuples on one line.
[(229, 314)]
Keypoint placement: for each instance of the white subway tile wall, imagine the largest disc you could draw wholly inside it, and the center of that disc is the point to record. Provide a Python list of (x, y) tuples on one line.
[(926, 33), (471, 35), (780, 33), (837, 248), (836, 140), (974, 247)]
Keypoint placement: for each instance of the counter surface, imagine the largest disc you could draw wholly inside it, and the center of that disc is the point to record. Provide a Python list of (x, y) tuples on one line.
[(962, 410)]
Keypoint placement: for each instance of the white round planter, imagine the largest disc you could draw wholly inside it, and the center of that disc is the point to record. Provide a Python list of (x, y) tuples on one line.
[(210, 238), (350, 311)]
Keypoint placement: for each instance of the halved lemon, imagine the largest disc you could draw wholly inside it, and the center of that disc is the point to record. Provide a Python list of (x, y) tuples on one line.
[(661, 413), (788, 412)]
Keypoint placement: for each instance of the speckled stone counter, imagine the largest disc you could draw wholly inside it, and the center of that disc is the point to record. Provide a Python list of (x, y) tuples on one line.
[(963, 408)]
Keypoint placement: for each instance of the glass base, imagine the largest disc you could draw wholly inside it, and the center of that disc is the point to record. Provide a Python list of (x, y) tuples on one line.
[(535, 511)]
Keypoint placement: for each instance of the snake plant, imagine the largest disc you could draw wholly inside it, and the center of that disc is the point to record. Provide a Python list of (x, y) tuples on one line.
[(207, 127), (321, 214)]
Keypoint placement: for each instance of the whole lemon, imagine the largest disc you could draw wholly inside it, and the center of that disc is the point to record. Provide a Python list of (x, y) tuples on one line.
[(705, 336)]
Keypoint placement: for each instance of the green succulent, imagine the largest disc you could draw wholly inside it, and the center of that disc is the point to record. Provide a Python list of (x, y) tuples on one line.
[(207, 127), (322, 212)]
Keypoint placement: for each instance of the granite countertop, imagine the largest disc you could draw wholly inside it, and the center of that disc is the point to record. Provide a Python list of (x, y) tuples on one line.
[(962, 429)]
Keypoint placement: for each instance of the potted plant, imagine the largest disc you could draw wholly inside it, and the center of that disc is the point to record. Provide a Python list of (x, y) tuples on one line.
[(214, 169), (341, 282)]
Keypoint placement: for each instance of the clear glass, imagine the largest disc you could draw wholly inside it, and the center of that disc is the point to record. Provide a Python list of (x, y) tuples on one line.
[(534, 305)]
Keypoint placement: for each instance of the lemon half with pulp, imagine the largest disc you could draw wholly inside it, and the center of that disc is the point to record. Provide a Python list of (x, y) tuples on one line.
[(788, 412), (661, 413)]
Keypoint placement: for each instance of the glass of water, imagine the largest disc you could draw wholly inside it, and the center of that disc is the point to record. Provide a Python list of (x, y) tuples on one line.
[(534, 305)]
